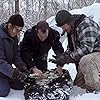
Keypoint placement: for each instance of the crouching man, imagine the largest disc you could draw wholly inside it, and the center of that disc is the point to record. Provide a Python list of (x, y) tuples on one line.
[(11, 77), (36, 44), (83, 48)]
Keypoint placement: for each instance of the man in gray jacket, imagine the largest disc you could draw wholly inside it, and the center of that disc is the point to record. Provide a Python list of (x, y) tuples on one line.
[(83, 48), (11, 77)]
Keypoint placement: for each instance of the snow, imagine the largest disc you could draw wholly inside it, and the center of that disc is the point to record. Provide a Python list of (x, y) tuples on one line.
[(14, 95), (92, 11)]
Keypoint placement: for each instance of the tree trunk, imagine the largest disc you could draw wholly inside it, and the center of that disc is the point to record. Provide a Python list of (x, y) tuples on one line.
[(45, 9), (16, 6)]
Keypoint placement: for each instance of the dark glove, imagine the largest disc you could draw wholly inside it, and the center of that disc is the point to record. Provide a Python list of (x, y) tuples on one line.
[(66, 58), (63, 59), (56, 56), (57, 61), (22, 68), (21, 76)]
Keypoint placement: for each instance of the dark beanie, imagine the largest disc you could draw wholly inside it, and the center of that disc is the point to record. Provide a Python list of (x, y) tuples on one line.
[(16, 20), (63, 17)]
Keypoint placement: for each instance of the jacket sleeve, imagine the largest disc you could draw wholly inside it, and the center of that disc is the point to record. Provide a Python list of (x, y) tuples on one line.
[(57, 45), (87, 38), (5, 67), (26, 50), (18, 59)]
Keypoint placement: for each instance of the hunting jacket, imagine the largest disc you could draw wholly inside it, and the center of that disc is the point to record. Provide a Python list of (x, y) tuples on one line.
[(85, 37)]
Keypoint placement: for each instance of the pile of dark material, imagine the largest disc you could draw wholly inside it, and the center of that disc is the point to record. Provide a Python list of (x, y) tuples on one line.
[(51, 87)]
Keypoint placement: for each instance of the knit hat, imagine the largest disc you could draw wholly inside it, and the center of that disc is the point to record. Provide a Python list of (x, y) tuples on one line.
[(63, 17), (16, 20)]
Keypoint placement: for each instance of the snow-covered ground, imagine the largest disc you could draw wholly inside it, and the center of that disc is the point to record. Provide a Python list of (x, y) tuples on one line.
[(92, 11)]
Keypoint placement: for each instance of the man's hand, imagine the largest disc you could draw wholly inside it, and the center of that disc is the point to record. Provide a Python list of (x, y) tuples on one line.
[(59, 70), (37, 72), (63, 59), (18, 75), (56, 56), (55, 61), (22, 68), (58, 61)]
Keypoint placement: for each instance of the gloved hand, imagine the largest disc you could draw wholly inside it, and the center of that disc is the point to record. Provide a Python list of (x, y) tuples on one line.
[(63, 59), (22, 68), (59, 70), (21, 76), (56, 56)]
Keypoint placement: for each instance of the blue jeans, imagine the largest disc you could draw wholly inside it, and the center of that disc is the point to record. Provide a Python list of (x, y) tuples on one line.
[(6, 84)]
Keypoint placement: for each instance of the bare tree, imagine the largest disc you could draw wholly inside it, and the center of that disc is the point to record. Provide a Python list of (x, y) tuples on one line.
[(16, 6), (39, 9), (36, 10), (98, 1), (69, 5), (45, 9), (55, 6), (82, 3)]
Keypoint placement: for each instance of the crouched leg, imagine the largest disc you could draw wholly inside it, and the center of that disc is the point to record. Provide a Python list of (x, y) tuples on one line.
[(90, 67), (4, 87), (15, 84)]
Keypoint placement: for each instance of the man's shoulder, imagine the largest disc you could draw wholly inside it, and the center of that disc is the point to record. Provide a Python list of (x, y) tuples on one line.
[(88, 22), (2, 33), (54, 32), (29, 31)]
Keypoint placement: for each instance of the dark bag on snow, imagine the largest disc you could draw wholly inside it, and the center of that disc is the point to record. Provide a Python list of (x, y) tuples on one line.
[(51, 87)]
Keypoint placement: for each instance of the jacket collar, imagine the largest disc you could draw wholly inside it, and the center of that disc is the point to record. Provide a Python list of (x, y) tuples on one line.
[(3, 31)]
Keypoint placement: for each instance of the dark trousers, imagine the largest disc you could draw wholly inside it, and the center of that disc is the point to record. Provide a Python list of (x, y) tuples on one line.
[(6, 84)]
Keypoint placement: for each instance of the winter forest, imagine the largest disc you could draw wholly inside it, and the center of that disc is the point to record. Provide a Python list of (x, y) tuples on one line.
[(36, 10)]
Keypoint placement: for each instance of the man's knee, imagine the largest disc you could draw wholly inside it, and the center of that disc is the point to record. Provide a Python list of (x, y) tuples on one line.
[(85, 59), (85, 62), (4, 92), (4, 87), (16, 85), (90, 67)]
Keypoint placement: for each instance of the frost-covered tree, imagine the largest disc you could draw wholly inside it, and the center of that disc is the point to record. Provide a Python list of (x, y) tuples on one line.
[(36, 10), (17, 6), (97, 1)]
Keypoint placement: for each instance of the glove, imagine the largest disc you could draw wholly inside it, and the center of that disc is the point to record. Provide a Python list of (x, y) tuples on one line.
[(21, 76), (22, 68), (59, 70), (56, 57), (57, 61), (64, 58)]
